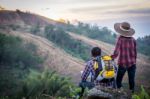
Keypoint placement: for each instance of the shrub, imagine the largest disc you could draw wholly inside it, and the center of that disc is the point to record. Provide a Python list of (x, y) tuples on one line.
[(16, 58), (47, 84), (76, 48), (142, 95)]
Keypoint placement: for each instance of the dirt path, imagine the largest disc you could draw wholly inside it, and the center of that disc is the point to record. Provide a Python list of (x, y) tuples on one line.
[(143, 63)]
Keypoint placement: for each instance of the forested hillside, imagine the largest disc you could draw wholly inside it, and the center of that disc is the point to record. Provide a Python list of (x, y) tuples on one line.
[(93, 31), (28, 62), (16, 59), (26, 21), (144, 45), (106, 35), (62, 39), (23, 74)]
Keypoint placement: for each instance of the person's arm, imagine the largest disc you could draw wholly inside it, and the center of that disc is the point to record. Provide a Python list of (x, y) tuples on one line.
[(86, 72), (117, 49)]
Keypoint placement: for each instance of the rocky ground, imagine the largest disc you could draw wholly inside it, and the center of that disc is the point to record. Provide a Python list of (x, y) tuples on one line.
[(100, 92)]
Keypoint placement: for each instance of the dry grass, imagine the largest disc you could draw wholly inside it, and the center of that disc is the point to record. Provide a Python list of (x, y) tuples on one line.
[(143, 62), (55, 58)]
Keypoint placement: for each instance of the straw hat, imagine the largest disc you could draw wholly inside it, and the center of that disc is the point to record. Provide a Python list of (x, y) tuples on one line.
[(124, 29)]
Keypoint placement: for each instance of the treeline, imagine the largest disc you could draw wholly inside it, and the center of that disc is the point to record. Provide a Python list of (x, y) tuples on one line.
[(143, 45), (23, 76), (93, 31), (59, 36), (106, 35), (15, 60)]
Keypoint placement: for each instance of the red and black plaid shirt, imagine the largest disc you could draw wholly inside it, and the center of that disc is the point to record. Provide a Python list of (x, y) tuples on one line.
[(126, 50)]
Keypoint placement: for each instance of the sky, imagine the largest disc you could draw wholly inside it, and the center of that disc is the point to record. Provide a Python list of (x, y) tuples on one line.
[(100, 12)]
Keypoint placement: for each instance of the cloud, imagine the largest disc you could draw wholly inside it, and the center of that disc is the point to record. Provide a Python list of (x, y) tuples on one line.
[(96, 8), (139, 11), (108, 12), (111, 8)]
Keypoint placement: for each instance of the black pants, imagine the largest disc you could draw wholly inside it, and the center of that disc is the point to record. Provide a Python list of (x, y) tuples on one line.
[(131, 76)]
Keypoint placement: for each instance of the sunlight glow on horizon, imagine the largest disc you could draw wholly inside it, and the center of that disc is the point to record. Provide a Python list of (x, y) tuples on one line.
[(91, 11), (81, 9)]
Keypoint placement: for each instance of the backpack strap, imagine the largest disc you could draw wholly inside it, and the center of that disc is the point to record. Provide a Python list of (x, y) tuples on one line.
[(98, 68)]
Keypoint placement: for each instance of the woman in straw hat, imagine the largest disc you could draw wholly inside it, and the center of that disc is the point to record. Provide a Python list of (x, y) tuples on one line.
[(126, 52)]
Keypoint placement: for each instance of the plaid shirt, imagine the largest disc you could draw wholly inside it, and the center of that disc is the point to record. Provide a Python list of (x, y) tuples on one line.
[(89, 69), (126, 50)]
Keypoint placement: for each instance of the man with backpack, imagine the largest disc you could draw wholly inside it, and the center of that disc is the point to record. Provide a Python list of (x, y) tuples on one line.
[(96, 69), (126, 51)]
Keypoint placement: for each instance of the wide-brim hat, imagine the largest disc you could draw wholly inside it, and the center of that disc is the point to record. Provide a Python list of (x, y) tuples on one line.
[(124, 29)]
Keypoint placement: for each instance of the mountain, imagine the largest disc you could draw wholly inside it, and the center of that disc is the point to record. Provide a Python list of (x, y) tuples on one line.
[(57, 58), (18, 17)]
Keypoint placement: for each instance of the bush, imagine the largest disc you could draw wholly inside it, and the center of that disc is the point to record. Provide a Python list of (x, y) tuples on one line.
[(35, 29), (58, 36), (20, 76), (143, 45), (47, 84), (142, 95), (16, 58)]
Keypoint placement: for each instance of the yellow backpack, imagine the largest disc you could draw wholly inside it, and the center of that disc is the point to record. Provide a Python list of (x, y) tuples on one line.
[(108, 70)]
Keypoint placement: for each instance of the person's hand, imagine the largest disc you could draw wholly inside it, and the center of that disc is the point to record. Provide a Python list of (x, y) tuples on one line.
[(112, 57)]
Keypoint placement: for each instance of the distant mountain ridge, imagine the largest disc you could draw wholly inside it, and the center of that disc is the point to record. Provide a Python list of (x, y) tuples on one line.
[(24, 18)]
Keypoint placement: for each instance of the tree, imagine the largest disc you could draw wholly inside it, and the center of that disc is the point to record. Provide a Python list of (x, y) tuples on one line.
[(35, 29), (16, 58)]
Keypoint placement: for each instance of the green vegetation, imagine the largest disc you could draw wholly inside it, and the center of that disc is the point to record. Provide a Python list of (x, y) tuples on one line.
[(106, 35), (14, 27), (21, 74), (94, 32), (47, 84), (35, 29), (76, 48), (15, 60), (143, 45), (14, 52), (11, 26), (142, 95)]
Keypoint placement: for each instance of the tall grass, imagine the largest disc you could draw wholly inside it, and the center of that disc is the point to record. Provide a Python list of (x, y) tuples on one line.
[(142, 95)]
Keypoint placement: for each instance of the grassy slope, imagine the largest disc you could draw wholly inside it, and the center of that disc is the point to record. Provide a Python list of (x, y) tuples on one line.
[(143, 63), (47, 49), (55, 58)]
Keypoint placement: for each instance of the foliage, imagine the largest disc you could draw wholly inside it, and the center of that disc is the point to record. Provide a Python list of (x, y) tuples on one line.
[(143, 45), (47, 84), (15, 60), (65, 41), (14, 27), (106, 35), (93, 31), (20, 76), (14, 52), (35, 29), (143, 94)]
